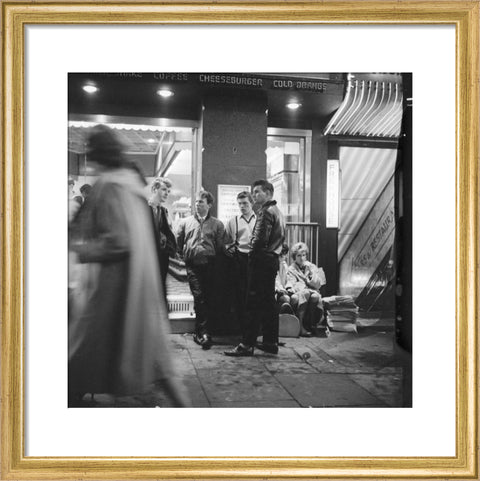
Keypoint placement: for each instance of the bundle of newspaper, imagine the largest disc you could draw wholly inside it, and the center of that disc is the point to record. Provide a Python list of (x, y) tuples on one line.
[(341, 313)]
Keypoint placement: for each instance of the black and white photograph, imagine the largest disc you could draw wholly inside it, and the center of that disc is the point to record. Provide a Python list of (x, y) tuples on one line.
[(239, 240)]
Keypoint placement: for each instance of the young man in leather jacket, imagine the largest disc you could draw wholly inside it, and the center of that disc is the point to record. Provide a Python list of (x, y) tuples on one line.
[(266, 246)]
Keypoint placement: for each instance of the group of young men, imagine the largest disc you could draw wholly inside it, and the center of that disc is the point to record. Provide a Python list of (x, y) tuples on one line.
[(253, 240)]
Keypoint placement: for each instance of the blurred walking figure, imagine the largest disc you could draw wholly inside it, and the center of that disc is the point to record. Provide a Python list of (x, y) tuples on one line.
[(118, 329), (200, 239), (166, 243), (239, 230), (263, 263), (306, 279)]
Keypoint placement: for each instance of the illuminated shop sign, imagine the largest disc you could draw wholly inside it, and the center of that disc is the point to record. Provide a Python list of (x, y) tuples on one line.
[(230, 80), (270, 83), (234, 80), (299, 85), (333, 194)]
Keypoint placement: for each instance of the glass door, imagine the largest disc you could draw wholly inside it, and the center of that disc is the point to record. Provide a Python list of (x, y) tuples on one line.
[(288, 169)]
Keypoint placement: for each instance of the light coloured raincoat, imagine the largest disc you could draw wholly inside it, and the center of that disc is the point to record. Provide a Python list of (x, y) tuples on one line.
[(118, 325)]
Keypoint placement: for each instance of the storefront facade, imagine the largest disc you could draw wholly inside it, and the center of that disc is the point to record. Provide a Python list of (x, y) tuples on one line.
[(303, 132)]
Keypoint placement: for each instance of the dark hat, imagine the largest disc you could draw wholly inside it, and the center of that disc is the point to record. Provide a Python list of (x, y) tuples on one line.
[(104, 146)]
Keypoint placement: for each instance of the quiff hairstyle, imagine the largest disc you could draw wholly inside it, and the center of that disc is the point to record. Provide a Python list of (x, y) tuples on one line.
[(204, 194), (157, 182), (245, 195), (265, 185)]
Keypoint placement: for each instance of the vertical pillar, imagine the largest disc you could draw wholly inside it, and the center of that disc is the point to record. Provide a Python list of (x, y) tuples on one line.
[(234, 140), (234, 144), (322, 151)]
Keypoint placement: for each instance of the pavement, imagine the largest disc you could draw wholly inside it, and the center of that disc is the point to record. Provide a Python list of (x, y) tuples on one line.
[(346, 369)]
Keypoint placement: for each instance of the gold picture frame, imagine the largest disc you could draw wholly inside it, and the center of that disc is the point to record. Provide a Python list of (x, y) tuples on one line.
[(464, 15)]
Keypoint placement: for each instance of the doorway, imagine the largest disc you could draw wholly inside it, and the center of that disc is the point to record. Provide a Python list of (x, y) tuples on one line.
[(288, 169)]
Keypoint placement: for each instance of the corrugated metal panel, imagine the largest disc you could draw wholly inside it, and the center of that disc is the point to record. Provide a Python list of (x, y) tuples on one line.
[(365, 173), (369, 109)]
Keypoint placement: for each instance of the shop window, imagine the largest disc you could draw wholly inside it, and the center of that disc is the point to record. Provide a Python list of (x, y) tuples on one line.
[(286, 162), (164, 148)]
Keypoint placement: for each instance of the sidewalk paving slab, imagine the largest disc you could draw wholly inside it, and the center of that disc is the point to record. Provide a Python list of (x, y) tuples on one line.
[(235, 386), (327, 390), (386, 387), (281, 403)]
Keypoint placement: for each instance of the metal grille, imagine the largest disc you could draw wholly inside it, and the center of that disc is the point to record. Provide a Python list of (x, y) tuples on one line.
[(180, 307), (304, 232)]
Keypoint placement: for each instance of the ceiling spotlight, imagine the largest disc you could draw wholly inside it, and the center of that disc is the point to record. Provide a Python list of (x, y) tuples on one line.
[(294, 105), (165, 93), (151, 141), (90, 89)]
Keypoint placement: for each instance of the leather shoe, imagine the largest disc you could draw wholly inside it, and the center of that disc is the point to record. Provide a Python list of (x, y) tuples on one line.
[(305, 333), (270, 348), (240, 351), (206, 342)]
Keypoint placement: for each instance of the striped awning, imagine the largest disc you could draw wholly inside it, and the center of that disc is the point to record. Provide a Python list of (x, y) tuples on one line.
[(371, 108)]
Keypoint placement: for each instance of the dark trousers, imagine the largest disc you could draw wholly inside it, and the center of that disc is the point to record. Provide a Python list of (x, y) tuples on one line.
[(240, 284), (261, 308), (164, 260), (201, 281)]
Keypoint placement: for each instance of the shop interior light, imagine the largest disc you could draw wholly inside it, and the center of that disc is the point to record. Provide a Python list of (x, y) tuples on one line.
[(293, 105), (101, 120), (90, 89), (165, 93)]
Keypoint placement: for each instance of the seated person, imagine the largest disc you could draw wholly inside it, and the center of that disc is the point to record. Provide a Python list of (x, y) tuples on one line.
[(306, 279), (283, 288)]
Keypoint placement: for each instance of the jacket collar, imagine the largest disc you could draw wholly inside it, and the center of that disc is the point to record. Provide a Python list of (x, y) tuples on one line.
[(268, 204), (198, 217), (298, 268)]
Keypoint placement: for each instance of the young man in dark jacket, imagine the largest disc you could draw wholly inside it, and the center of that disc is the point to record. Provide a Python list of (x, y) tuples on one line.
[(200, 239), (164, 236), (266, 246)]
